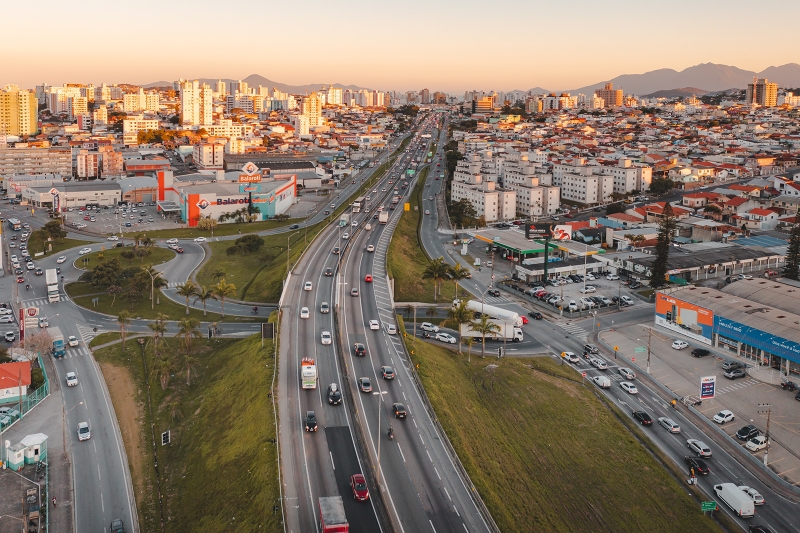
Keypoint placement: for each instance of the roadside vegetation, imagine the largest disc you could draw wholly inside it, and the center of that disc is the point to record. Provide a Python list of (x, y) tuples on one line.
[(544, 452), (51, 235), (219, 470)]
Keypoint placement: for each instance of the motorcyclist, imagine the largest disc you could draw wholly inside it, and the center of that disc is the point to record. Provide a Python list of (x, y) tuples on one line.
[(27, 287), (255, 309), (391, 432)]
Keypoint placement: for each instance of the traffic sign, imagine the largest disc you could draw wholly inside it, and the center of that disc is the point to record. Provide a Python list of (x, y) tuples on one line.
[(640, 349), (708, 506), (633, 359), (583, 374), (616, 348)]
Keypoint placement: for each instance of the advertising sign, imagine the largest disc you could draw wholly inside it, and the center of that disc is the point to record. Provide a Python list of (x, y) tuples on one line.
[(245, 188), (56, 199), (685, 318), (250, 173), (562, 233), (756, 338), (548, 231), (708, 385)]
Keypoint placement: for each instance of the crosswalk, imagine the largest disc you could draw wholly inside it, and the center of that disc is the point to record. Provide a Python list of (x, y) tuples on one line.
[(497, 299), (42, 302), (736, 385), (575, 330), (87, 333)]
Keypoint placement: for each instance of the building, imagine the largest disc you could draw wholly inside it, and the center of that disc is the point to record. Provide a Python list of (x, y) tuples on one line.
[(74, 194), (135, 124), (587, 188), (208, 156), (311, 107), (112, 161), (611, 97), (15, 378), (87, 164), (76, 106), (762, 93), (425, 96), (18, 111), (141, 101), (35, 161), (626, 175), (196, 103)]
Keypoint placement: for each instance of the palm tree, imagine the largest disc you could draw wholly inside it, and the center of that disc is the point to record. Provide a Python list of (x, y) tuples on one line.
[(436, 270), (218, 274), (162, 370), (188, 328), (123, 319), (136, 240), (430, 312), (159, 329), (484, 326), (203, 295), (157, 281), (458, 315), (222, 290), (457, 273), (468, 342), (187, 290), (409, 310), (635, 239), (189, 363)]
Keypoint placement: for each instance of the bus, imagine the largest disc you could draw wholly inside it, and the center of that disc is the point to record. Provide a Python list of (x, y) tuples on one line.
[(358, 204), (15, 224)]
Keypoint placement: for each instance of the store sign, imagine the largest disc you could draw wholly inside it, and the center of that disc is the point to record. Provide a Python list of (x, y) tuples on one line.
[(250, 187), (250, 173), (708, 387)]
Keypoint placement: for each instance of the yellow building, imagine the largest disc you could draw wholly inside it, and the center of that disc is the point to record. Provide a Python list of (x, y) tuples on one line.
[(18, 111)]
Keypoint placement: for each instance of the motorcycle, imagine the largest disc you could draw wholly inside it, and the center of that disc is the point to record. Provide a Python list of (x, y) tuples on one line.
[(391, 433), (27, 287), (255, 309), (788, 385), (426, 335)]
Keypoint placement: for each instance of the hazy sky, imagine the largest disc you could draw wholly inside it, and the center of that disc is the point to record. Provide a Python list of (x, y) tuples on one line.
[(449, 45)]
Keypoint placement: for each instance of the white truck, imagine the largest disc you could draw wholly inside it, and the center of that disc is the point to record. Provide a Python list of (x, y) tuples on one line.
[(496, 313), (507, 332), (383, 217), (51, 277), (308, 373), (735, 498)]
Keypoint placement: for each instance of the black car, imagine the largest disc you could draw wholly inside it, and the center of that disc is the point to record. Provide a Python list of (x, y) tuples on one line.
[(536, 315), (117, 527), (334, 394), (643, 418), (329, 271), (387, 372), (294, 226), (311, 421), (757, 528), (635, 285), (700, 466), (748, 432), (335, 250), (494, 292), (700, 352), (360, 349), (399, 410)]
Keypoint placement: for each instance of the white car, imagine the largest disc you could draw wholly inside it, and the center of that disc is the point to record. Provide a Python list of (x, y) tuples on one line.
[(756, 444), (7, 319), (679, 345), (391, 329), (758, 499), (612, 277), (669, 424), (72, 340), (445, 337), (6, 311), (345, 235), (304, 312), (85, 251), (84, 433), (627, 373), (588, 289), (586, 302), (29, 265), (72, 379), (427, 326), (598, 363), (374, 324), (699, 447), (571, 357), (625, 300), (113, 238), (200, 239), (325, 337), (723, 416), (172, 241), (354, 223), (629, 387), (370, 248), (61, 259), (308, 286)]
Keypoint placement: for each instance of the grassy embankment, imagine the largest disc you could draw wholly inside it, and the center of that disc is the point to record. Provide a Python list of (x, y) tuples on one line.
[(219, 473), (36, 246), (545, 453), (156, 257), (221, 230)]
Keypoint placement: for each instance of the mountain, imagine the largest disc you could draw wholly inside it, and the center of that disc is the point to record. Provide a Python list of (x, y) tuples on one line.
[(785, 76), (675, 93), (254, 80)]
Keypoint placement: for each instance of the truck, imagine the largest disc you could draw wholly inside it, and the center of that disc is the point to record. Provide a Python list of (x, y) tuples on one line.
[(383, 217), (495, 313), (344, 220), (308, 373), (51, 276), (506, 332), (331, 515), (59, 350), (735, 498)]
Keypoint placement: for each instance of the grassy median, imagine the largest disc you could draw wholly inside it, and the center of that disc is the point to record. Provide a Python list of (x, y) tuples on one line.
[(544, 453)]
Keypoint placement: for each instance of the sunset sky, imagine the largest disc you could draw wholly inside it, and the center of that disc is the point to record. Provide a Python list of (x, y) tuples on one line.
[(442, 45)]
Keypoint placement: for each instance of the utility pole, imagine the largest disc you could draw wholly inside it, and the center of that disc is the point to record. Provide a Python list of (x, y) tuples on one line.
[(766, 408), (649, 337)]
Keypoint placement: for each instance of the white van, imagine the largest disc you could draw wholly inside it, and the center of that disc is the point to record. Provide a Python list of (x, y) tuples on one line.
[(738, 500)]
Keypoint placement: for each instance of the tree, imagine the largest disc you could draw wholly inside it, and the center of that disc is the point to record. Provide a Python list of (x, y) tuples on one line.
[(112, 291), (430, 312), (436, 270), (666, 229), (484, 326), (222, 290), (123, 319), (206, 223), (162, 370), (791, 268), (459, 315), (189, 363), (204, 295), (457, 273), (661, 186), (157, 281), (159, 328), (188, 328), (635, 239), (105, 274), (616, 208), (54, 230), (187, 290), (468, 342), (462, 213), (218, 274)]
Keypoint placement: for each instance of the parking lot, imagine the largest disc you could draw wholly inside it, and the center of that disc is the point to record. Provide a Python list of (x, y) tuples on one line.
[(121, 219)]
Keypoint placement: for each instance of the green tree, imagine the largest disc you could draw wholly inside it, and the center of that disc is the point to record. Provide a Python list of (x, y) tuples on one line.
[(188, 329), (635, 239), (159, 328), (206, 223), (222, 290), (666, 230), (458, 315), (55, 230), (204, 295), (123, 319), (106, 273), (661, 186), (436, 270), (462, 213), (468, 342), (791, 268), (162, 371), (458, 273), (157, 281), (616, 208), (112, 291), (187, 290), (484, 326), (218, 274)]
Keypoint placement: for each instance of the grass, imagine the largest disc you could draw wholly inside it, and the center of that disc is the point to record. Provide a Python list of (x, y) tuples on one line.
[(544, 453), (104, 338), (221, 230), (35, 246), (219, 473), (156, 257)]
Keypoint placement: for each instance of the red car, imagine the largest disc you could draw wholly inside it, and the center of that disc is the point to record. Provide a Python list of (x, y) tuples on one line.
[(20, 279), (86, 217), (524, 319), (567, 215), (179, 250), (368, 278), (359, 486)]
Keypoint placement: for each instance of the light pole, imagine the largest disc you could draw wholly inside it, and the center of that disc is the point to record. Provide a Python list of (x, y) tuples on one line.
[(64, 414), (288, 250)]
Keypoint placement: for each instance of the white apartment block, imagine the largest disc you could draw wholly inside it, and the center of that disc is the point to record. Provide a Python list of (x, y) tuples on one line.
[(627, 176), (77, 105), (301, 125), (586, 187), (141, 101), (489, 202), (228, 128), (135, 124), (87, 164), (100, 115), (311, 107), (196, 103), (208, 156), (35, 161)]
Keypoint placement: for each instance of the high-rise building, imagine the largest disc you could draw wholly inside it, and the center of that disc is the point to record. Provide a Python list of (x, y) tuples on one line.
[(222, 90), (762, 93), (312, 108), (611, 97), (77, 105), (141, 101), (196, 103), (100, 115), (334, 95), (425, 96), (18, 111)]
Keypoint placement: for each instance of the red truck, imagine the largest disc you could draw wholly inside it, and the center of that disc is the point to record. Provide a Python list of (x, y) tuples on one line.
[(331, 515)]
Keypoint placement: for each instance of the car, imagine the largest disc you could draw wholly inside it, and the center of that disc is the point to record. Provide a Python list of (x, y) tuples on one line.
[(698, 465), (627, 373), (588, 289), (294, 226), (10, 336), (364, 385), (391, 329), (723, 416), (307, 286), (445, 337), (172, 241), (335, 250), (536, 315), (20, 279), (354, 292), (85, 251), (732, 365), (735, 373), (6, 311), (700, 352), (629, 387), (758, 499), (374, 324), (699, 447), (304, 313), (586, 302), (359, 349), (598, 363), (643, 418), (30, 266), (311, 421), (679, 345), (755, 528), (345, 235), (669, 424), (113, 238), (745, 276), (84, 432), (334, 394), (591, 348), (117, 527), (370, 248), (368, 278), (177, 250), (399, 410), (612, 277), (757, 444), (427, 326), (571, 357), (748, 432), (387, 372), (72, 340), (324, 308), (359, 486), (625, 300), (493, 292), (7, 319), (329, 272), (325, 337), (72, 379), (128, 225), (38, 271), (198, 239)]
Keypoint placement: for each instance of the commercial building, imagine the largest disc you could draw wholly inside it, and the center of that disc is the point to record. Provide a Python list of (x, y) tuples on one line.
[(762, 93), (24, 160), (18, 111), (64, 195), (611, 97)]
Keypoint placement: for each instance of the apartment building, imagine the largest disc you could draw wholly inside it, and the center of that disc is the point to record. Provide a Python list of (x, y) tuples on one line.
[(626, 175), (87, 164), (141, 101), (113, 163), (490, 201), (586, 187), (762, 93), (311, 107), (35, 161), (196, 103), (76, 106), (137, 123), (18, 111), (208, 156), (611, 97)]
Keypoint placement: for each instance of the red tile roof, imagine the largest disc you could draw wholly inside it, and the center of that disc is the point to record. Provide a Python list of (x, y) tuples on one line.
[(10, 374)]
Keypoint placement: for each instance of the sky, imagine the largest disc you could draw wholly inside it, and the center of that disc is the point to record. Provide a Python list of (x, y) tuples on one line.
[(448, 45)]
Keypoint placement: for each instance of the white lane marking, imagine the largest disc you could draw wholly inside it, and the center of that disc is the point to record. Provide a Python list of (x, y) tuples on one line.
[(437, 472), (429, 456), (433, 528), (332, 465), (448, 494), (401, 452)]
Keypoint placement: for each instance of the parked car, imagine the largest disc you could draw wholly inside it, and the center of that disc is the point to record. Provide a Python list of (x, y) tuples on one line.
[(748, 432), (680, 345), (735, 373), (757, 444), (700, 352), (723, 416)]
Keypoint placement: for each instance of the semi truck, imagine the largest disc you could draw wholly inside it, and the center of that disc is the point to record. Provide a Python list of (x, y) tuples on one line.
[(383, 217), (507, 332), (331, 515), (59, 349), (344, 220), (496, 313), (51, 277), (308, 373), (735, 498)]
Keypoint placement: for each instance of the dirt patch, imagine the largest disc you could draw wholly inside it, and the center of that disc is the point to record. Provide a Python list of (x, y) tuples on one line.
[(127, 407)]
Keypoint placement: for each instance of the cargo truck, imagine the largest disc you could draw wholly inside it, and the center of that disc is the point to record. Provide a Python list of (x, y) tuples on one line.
[(496, 313), (507, 332), (344, 220), (383, 217), (51, 277), (58, 342), (308, 373), (735, 498), (331, 515)]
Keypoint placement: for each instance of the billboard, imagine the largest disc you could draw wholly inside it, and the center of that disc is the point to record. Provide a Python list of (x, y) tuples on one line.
[(685, 318), (708, 387), (554, 232)]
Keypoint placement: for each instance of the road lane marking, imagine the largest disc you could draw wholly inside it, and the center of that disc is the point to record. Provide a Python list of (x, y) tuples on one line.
[(332, 465), (433, 528), (435, 470), (448, 495), (401, 452), (429, 456)]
